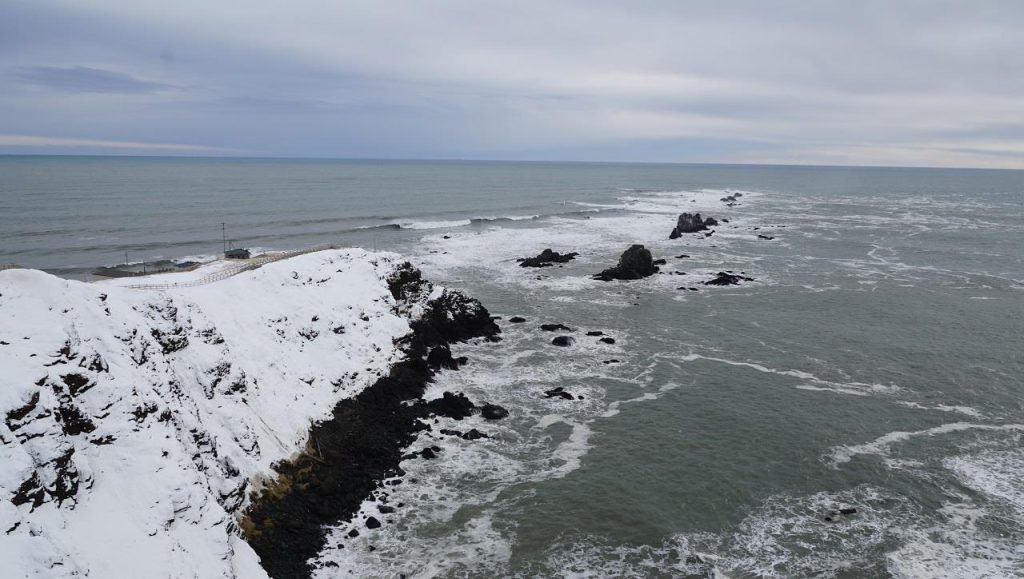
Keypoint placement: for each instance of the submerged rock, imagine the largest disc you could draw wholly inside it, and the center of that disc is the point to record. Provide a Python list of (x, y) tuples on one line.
[(556, 328), (607, 340), (727, 278), (546, 258), (562, 341), (559, 393), (493, 412), (635, 263), (516, 320)]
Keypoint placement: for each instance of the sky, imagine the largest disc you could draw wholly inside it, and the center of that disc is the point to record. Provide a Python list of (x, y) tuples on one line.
[(866, 82)]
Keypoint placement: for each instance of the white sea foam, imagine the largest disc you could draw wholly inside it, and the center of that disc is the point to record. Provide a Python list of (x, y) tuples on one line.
[(881, 445)]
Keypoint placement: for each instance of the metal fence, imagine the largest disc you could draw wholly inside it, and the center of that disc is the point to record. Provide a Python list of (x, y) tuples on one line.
[(235, 269)]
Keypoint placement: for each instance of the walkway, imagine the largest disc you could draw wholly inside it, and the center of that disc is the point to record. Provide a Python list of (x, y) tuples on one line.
[(235, 268)]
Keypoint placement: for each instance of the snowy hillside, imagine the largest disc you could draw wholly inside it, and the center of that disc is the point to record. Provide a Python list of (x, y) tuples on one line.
[(136, 422)]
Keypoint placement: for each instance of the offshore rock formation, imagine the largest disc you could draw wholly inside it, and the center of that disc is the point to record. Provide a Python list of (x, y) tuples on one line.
[(691, 223), (546, 258), (635, 263)]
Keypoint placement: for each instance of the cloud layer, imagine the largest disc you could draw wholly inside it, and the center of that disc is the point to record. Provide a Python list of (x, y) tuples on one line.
[(894, 83)]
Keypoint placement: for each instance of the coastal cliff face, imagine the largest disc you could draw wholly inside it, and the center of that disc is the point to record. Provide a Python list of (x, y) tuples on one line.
[(136, 426)]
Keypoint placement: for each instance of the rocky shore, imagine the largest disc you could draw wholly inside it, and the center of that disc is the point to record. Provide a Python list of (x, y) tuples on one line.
[(362, 443)]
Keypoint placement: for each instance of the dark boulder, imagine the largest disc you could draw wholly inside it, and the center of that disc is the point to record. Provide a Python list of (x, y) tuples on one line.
[(562, 341), (516, 320), (635, 263), (691, 223), (493, 412), (474, 434), (455, 406), (727, 278), (558, 393), (555, 328), (607, 340), (595, 333), (372, 523), (768, 237), (441, 357), (659, 262), (546, 258)]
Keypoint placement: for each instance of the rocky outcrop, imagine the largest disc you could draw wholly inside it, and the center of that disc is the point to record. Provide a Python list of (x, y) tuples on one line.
[(727, 278), (546, 258), (691, 223), (562, 341), (363, 442), (635, 263)]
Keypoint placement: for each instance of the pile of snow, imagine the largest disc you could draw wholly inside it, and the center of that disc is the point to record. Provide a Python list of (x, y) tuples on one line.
[(135, 422)]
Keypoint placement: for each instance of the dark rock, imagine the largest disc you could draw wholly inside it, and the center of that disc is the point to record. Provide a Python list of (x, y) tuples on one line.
[(595, 333), (372, 523), (723, 278), (562, 341), (353, 534), (607, 340), (385, 510), (441, 357), (556, 328), (428, 454), (516, 320), (691, 223), (848, 511), (682, 256), (455, 406), (493, 412), (612, 361), (768, 237), (659, 262), (474, 434), (558, 393), (546, 258), (635, 263)]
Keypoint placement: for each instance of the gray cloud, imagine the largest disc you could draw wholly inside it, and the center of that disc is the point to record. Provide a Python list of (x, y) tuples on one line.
[(87, 80), (935, 82)]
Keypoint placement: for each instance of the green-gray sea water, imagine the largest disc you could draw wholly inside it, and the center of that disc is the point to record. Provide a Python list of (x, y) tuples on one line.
[(875, 363)]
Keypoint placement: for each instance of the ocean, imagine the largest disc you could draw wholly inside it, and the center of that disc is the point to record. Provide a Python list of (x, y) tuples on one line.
[(875, 362)]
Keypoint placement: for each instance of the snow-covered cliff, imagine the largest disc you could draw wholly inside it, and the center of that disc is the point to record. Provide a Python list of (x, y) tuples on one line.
[(136, 422)]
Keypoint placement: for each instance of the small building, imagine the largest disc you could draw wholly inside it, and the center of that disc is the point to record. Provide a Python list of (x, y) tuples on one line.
[(237, 253)]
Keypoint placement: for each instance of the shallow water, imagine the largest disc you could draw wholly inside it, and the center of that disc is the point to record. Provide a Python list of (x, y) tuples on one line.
[(874, 363)]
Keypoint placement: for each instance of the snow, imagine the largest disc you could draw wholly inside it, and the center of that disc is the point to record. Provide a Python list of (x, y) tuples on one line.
[(186, 398)]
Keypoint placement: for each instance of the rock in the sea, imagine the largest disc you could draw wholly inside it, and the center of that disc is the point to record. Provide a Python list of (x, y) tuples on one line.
[(555, 328), (727, 278), (546, 258), (372, 523), (441, 357), (558, 393), (562, 341), (493, 412), (516, 320), (635, 263), (474, 434), (455, 406), (607, 340), (595, 333), (768, 237), (691, 223)]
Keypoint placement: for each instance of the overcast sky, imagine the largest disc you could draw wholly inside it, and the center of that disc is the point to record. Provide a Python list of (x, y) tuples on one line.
[(890, 82)]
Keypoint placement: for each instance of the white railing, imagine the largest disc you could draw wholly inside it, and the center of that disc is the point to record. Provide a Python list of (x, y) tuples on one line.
[(235, 269)]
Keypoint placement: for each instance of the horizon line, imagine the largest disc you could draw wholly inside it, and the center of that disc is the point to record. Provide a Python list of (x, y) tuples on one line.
[(475, 160)]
